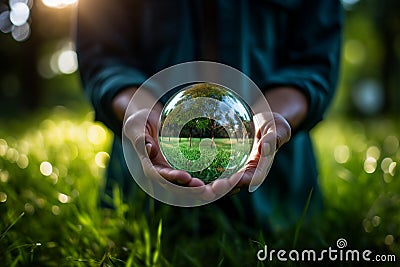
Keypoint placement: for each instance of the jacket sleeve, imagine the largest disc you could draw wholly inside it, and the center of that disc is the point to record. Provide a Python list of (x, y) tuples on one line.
[(106, 45), (310, 60)]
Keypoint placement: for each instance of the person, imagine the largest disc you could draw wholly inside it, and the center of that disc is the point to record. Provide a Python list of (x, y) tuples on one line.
[(290, 49)]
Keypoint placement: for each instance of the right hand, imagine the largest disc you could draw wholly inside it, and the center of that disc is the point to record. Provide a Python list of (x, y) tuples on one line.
[(141, 129)]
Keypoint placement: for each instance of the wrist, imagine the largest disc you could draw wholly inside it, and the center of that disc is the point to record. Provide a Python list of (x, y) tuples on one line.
[(290, 103), (122, 101)]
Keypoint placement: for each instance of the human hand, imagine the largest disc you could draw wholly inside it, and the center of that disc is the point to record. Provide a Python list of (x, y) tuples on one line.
[(271, 134), (289, 108), (141, 129)]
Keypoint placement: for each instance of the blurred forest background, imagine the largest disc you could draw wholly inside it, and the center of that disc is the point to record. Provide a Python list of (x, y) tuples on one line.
[(53, 156)]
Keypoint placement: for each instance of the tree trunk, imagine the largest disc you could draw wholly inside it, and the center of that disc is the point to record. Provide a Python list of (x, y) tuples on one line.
[(190, 139)]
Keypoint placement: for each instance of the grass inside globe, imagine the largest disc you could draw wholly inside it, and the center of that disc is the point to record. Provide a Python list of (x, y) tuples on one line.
[(207, 130)]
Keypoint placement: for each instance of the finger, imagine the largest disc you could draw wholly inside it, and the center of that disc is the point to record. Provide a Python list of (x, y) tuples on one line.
[(221, 186), (208, 193), (283, 130), (176, 176), (148, 148), (135, 124), (260, 173), (246, 177), (267, 144), (195, 182), (139, 145)]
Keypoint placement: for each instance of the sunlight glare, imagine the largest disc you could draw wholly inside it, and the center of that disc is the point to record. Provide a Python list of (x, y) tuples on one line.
[(59, 3)]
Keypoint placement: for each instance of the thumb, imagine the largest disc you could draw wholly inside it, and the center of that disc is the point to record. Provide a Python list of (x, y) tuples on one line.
[(283, 130)]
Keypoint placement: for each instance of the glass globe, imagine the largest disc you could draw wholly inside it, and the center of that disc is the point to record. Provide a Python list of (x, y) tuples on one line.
[(206, 130)]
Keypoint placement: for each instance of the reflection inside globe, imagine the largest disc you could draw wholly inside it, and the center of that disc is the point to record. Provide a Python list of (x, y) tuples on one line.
[(206, 130)]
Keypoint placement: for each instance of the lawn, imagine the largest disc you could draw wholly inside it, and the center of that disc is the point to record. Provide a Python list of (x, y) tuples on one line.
[(51, 169)]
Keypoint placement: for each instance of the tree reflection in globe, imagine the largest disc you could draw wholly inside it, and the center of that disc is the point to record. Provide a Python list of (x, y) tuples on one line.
[(206, 130)]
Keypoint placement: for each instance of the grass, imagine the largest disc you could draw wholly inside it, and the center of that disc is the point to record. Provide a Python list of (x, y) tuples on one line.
[(227, 157), (51, 170)]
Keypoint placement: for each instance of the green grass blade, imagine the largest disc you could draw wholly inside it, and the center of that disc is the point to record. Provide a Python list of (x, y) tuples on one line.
[(303, 215), (2, 235)]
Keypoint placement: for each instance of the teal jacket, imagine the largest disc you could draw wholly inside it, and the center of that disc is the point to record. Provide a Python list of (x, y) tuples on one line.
[(275, 42)]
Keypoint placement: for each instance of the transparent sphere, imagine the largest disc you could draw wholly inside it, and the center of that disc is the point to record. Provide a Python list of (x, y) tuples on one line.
[(206, 130)]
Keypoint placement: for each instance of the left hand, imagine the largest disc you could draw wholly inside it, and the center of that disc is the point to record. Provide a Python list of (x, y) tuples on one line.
[(268, 134)]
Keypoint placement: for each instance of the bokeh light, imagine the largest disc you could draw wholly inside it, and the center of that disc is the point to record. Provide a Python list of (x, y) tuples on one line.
[(5, 22), (101, 159), (368, 96), (46, 168), (19, 13), (23, 161), (3, 147), (55, 210), (29, 3), (15, 19), (12, 155), (63, 198), (392, 168), (3, 197), (373, 152), (61, 61), (4, 175), (391, 144), (349, 3), (59, 3), (342, 154), (96, 134), (21, 33), (67, 62), (370, 165), (376, 221), (41, 202), (389, 239), (29, 208), (385, 164), (354, 52)]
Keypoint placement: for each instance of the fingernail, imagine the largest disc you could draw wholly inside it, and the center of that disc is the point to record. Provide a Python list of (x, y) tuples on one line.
[(148, 149)]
